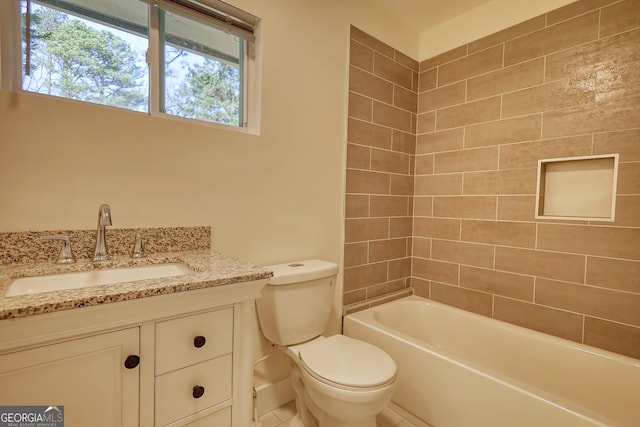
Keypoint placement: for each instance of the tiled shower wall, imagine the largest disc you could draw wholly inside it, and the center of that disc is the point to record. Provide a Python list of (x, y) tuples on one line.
[(562, 84), (566, 83), (383, 86)]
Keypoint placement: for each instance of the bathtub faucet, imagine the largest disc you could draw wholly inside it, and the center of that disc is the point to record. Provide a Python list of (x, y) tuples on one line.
[(104, 219)]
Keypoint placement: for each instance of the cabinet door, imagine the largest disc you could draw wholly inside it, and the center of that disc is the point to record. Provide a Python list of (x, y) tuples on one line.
[(87, 376)]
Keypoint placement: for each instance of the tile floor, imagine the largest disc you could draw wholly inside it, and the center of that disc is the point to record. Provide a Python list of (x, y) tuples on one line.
[(281, 416)]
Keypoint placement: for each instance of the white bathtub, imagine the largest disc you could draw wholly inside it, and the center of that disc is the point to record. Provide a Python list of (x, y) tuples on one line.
[(459, 369)]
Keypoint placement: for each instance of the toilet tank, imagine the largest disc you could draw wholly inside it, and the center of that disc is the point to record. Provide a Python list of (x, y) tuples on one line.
[(296, 303)]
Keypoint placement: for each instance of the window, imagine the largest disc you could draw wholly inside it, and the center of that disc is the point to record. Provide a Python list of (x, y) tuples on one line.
[(177, 57)]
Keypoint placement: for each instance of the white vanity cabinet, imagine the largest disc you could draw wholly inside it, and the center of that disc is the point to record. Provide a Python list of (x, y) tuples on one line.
[(87, 376), (195, 360)]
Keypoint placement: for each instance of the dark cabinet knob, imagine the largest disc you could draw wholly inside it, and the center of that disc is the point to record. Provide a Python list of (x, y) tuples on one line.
[(132, 361), (198, 391), (199, 341)]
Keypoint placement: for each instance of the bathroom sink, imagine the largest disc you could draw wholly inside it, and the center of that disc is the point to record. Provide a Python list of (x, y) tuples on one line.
[(82, 279)]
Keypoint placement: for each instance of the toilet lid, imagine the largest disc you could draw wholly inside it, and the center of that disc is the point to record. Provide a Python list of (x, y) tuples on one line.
[(347, 361)]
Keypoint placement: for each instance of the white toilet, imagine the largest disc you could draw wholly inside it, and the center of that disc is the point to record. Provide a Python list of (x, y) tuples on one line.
[(338, 381)]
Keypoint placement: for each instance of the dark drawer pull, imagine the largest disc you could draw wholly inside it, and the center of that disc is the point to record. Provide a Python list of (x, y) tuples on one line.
[(199, 341), (132, 361), (198, 391)]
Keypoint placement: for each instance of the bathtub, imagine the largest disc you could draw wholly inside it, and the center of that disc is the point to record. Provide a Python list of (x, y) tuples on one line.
[(459, 369)]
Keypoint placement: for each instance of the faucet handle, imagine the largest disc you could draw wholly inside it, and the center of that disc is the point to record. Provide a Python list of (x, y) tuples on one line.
[(66, 253), (138, 246)]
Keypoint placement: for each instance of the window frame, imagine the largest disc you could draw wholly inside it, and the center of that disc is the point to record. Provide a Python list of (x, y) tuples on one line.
[(11, 60)]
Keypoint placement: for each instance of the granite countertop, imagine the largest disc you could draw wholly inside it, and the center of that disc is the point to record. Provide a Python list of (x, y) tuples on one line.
[(210, 269)]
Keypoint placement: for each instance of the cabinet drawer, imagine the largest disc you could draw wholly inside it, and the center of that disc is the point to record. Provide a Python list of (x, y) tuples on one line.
[(192, 339), (175, 390), (221, 418)]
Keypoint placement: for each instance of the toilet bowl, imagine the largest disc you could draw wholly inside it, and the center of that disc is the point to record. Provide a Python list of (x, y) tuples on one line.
[(338, 381), (349, 381)]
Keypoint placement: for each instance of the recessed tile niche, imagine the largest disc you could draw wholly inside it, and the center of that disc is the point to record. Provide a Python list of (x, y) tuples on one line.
[(577, 188)]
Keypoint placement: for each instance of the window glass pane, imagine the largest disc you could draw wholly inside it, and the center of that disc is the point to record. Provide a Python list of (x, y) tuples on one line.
[(203, 71), (89, 50)]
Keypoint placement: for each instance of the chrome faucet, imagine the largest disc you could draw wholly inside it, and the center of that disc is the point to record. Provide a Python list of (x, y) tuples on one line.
[(104, 219)]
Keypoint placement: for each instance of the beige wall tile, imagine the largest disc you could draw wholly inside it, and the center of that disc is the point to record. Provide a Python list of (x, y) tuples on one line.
[(423, 206), (384, 250), (476, 207), (438, 228), (428, 80), (372, 42), (363, 276), (405, 99), (404, 142), (370, 134), (367, 182), (392, 71), (400, 227), (389, 206), (421, 247), (360, 107), (580, 63), (518, 129), (443, 58), (625, 142), (518, 234), (443, 96), (520, 76), (402, 185), (517, 30), (550, 96), (574, 9), (620, 17), (543, 319), (601, 117), (361, 56), (367, 84), (428, 269), (356, 254), (424, 164), (385, 288), (477, 159), (426, 122), (627, 211), (427, 185), (452, 139), (566, 34), (604, 303), (393, 117), (553, 265), (470, 113), (462, 253), (617, 274), (354, 297), (356, 206), (519, 181), (399, 268), (612, 336), (358, 156), (629, 178), (389, 161), (497, 282), (359, 230), (466, 299), (516, 208), (527, 154), (592, 240), (407, 61), (421, 287), (471, 65)]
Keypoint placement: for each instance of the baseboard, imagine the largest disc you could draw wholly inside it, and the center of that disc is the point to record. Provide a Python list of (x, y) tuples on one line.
[(272, 395)]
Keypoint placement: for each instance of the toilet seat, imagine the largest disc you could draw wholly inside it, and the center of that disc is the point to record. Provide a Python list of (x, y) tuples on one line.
[(347, 363)]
